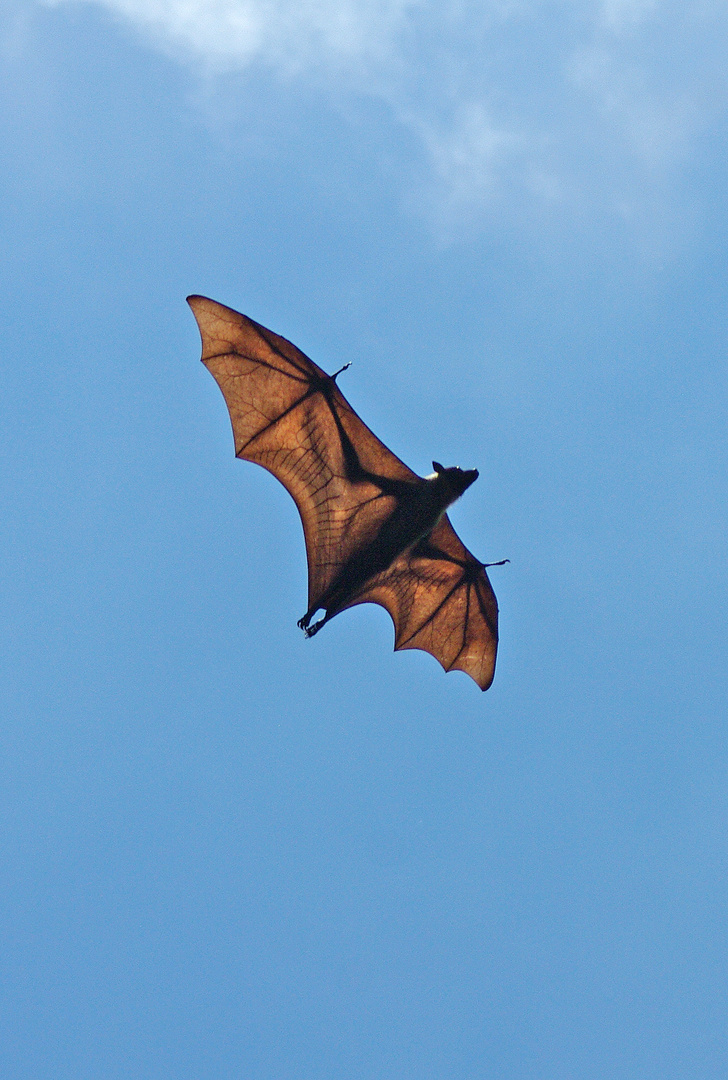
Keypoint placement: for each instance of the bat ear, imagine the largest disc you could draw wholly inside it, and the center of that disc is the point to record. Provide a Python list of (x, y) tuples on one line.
[(437, 467)]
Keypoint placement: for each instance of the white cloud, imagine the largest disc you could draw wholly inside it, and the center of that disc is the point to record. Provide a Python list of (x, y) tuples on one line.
[(537, 97), (619, 16), (228, 35), (469, 155)]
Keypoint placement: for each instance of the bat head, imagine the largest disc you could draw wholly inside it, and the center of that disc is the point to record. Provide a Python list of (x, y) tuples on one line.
[(454, 481)]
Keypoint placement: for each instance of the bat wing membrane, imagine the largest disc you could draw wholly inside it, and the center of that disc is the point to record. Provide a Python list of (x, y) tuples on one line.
[(289, 416), (441, 601)]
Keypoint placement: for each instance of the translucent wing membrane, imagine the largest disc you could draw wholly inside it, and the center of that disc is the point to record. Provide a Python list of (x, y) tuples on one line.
[(441, 601), (289, 416)]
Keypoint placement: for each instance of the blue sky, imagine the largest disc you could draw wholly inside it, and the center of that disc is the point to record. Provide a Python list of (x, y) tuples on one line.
[(228, 852)]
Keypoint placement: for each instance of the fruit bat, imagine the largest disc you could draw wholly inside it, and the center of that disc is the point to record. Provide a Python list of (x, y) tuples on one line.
[(375, 531)]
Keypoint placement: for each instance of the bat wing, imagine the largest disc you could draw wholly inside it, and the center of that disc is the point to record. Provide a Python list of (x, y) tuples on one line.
[(289, 416), (441, 601)]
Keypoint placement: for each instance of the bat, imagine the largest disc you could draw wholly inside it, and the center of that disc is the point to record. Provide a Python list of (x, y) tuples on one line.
[(375, 531)]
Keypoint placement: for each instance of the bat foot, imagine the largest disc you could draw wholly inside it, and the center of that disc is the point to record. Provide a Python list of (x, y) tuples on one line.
[(309, 631)]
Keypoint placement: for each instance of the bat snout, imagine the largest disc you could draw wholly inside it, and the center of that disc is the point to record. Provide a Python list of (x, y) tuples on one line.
[(466, 478), (461, 479)]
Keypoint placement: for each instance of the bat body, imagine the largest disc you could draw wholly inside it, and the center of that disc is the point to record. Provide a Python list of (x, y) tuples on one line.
[(375, 531)]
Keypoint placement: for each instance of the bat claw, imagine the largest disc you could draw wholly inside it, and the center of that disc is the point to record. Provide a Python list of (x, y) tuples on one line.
[(309, 631)]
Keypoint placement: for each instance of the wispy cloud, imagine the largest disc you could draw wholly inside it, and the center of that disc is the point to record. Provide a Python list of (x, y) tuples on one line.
[(533, 96), (624, 15), (229, 35), (470, 156)]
